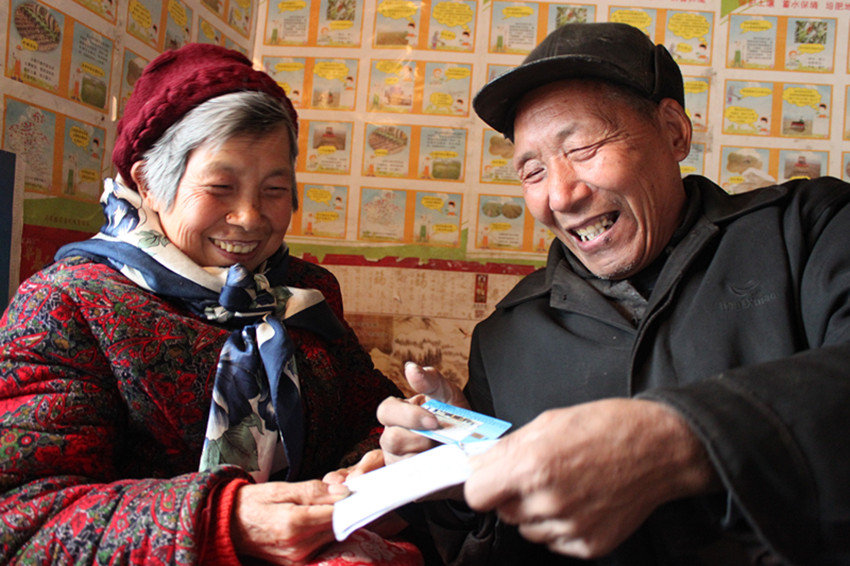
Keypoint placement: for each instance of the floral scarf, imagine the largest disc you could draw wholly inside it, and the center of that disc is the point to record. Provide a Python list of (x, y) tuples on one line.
[(255, 420)]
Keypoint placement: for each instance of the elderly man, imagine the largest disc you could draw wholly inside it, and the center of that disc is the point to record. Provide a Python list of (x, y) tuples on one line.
[(677, 374)]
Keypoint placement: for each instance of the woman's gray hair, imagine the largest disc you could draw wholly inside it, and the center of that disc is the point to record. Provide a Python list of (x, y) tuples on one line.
[(213, 122)]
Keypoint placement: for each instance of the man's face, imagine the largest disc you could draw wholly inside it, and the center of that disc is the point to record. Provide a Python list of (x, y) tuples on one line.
[(601, 176)]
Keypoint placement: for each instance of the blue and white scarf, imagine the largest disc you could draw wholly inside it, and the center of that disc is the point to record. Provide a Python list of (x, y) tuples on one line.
[(256, 406)]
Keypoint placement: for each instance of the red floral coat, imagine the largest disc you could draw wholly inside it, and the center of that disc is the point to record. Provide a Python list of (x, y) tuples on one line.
[(104, 395)]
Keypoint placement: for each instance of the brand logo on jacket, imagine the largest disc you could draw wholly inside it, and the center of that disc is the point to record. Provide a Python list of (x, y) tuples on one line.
[(748, 295)]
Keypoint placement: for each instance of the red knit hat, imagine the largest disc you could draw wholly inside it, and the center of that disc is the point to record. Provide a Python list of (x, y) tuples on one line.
[(176, 82)]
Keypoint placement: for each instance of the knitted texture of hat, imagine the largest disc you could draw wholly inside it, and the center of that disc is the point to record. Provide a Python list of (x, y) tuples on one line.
[(176, 82)]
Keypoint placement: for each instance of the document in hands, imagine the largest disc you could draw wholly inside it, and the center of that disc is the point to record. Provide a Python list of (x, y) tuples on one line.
[(380, 491)]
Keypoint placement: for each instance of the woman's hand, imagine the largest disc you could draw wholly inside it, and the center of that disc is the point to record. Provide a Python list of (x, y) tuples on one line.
[(284, 523), (372, 460)]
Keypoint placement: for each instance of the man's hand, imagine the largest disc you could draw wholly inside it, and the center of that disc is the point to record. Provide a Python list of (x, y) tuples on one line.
[(582, 479), (284, 523), (399, 415)]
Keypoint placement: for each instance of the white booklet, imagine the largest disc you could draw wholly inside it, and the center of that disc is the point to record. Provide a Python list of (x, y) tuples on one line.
[(382, 490)]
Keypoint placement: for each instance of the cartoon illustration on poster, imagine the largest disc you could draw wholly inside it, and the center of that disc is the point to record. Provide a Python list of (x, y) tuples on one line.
[(543, 237), (752, 42), (452, 26), (334, 83), (796, 164), (561, 14), (288, 72), (391, 86), (845, 166), (496, 155), (323, 211), (208, 33), (696, 101), (494, 70), (446, 90), (437, 218), (29, 132), (396, 24), (103, 8), (387, 152), (143, 17), (500, 222), (178, 24), (131, 71), (34, 55), (688, 36), (382, 214), (82, 158), (747, 108), (513, 27), (441, 153), (217, 7), (810, 45), (806, 110), (642, 18), (340, 23), (329, 147), (288, 22), (693, 164), (743, 169), (91, 67), (239, 16)]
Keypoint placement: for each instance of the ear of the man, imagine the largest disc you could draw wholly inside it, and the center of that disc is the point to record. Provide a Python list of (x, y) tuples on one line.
[(678, 126)]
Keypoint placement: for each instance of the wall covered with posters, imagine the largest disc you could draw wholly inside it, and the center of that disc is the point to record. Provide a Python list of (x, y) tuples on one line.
[(405, 195)]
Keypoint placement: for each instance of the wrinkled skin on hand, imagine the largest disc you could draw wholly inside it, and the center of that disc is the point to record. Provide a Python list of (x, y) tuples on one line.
[(582, 479)]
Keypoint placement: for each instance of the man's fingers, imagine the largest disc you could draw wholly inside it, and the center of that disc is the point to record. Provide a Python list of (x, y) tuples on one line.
[(398, 412), (430, 382)]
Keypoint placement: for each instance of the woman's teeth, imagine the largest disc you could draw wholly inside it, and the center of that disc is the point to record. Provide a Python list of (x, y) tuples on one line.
[(232, 248), (592, 231)]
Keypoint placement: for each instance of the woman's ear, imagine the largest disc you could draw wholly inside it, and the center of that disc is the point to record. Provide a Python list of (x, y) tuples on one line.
[(138, 176)]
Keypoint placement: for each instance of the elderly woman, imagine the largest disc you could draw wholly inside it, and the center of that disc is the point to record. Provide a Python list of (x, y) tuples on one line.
[(172, 389)]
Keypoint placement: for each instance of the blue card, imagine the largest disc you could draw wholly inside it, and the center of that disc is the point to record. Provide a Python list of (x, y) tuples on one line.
[(462, 425)]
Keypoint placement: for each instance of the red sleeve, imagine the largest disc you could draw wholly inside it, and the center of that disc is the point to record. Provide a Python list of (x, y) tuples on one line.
[(216, 544)]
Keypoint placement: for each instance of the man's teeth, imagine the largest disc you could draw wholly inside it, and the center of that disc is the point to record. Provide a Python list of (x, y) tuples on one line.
[(590, 232), (235, 248)]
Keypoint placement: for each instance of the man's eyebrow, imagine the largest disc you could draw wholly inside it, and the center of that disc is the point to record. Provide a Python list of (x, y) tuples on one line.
[(560, 137)]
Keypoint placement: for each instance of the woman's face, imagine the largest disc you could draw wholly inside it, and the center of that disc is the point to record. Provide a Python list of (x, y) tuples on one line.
[(234, 203)]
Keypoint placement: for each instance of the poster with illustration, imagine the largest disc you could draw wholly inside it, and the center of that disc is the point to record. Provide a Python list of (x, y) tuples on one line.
[(447, 88), (340, 23), (391, 85), (91, 67), (103, 8), (82, 159), (542, 237), (329, 146), (496, 159), (29, 131), (743, 169), (806, 110), (748, 108), (334, 84), (644, 19), (387, 151), (441, 153), (513, 27), (217, 7), (752, 42), (494, 70), (562, 14), (845, 166), (805, 164), (452, 26), (288, 22), (501, 220), (437, 218), (208, 33), (396, 24), (694, 163), (143, 19), (323, 210), (288, 72), (688, 36), (132, 68), (239, 16), (847, 113), (382, 214), (178, 24), (696, 101), (34, 55), (810, 45), (230, 43)]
